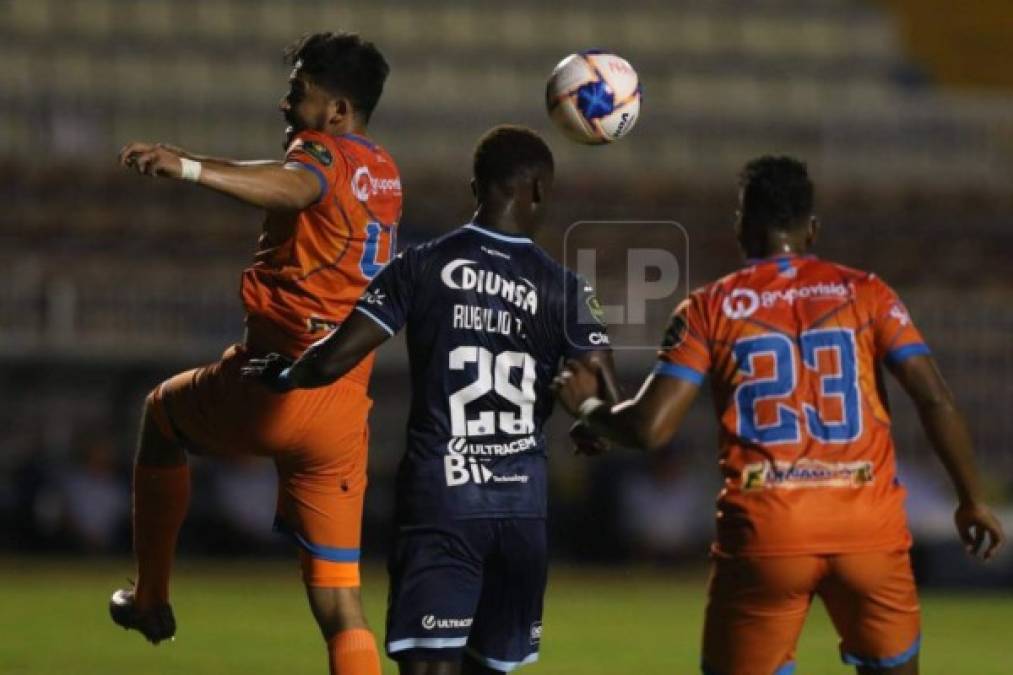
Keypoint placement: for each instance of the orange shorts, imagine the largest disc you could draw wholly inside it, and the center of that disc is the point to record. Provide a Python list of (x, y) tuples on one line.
[(756, 608), (317, 437)]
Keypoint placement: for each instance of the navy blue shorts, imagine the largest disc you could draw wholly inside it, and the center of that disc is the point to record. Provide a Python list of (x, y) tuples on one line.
[(472, 586)]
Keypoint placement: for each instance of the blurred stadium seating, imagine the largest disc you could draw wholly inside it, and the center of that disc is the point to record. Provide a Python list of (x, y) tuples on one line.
[(113, 282)]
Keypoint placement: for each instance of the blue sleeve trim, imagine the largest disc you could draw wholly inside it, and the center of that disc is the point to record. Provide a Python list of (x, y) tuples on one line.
[(889, 662), (374, 317), (906, 352), (681, 372), (321, 178)]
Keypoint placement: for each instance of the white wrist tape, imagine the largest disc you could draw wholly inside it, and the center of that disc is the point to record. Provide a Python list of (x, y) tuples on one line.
[(191, 169), (589, 406)]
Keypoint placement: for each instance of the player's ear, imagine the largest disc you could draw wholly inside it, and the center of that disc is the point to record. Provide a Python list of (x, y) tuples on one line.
[(339, 110), (537, 192), (541, 184), (737, 227), (814, 230)]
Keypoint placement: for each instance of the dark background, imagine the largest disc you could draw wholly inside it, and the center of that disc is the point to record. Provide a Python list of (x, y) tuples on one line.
[(112, 282)]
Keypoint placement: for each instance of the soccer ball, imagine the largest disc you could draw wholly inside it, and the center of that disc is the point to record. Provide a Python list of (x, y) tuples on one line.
[(593, 97)]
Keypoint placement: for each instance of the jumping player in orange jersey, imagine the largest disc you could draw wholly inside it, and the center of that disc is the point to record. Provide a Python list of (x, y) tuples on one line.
[(795, 347), (332, 205)]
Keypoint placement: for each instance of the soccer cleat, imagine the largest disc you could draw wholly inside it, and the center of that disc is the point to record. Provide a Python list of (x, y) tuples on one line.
[(155, 625)]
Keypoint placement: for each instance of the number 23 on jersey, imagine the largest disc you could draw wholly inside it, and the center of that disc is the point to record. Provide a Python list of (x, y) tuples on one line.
[(795, 408)]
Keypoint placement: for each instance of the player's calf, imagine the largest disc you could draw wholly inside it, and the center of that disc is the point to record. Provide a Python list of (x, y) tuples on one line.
[(351, 646)]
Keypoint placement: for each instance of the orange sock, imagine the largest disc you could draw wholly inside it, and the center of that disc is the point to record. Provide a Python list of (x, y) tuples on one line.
[(353, 652), (161, 497)]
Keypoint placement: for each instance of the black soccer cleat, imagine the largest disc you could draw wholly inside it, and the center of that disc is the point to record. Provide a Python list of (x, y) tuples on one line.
[(155, 625)]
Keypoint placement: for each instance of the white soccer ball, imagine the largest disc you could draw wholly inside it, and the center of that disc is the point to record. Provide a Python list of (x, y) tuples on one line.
[(593, 97)]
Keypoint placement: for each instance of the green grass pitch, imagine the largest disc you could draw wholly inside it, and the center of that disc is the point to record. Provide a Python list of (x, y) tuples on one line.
[(251, 617)]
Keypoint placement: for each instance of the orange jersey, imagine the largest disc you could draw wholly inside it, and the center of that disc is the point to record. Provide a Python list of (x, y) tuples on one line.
[(794, 347), (313, 265)]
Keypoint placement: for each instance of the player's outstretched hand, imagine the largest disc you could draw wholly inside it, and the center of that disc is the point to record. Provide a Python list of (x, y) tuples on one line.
[(585, 442), (153, 159), (268, 371), (576, 382), (975, 521)]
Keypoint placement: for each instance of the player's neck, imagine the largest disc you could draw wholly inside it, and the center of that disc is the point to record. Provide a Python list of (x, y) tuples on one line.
[(781, 251), (347, 127), (779, 244), (499, 219)]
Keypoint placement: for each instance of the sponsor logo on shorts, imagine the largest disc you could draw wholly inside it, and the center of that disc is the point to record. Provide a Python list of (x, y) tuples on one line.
[(430, 622), (536, 632), (806, 473)]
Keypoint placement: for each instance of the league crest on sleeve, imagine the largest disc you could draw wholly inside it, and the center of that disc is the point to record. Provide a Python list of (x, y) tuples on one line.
[(595, 309), (676, 332), (899, 313), (317, 151)]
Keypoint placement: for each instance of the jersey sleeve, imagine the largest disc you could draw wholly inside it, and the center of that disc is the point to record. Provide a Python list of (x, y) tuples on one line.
[(684, 352), (584, 319), (896, 336), (318, 154), (387, 300)]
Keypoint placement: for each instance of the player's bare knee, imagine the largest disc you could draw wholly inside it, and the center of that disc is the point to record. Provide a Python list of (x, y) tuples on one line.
[(157, 445)]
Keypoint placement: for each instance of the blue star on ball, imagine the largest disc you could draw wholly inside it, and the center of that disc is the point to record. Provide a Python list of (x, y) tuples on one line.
[(595, 99)]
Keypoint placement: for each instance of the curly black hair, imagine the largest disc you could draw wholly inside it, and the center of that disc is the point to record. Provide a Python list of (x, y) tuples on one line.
[(345, 65), (776, 193), (508, 151)]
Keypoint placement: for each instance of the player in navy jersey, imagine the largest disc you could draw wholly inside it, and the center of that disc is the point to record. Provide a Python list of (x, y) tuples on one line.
[(490, 317)]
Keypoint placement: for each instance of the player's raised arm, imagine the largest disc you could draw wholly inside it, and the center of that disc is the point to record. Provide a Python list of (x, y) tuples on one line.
[(175, 149), (947, 431), (266, 184)]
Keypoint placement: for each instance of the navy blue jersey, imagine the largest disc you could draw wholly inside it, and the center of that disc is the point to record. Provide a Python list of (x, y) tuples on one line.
[(489, 318)]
